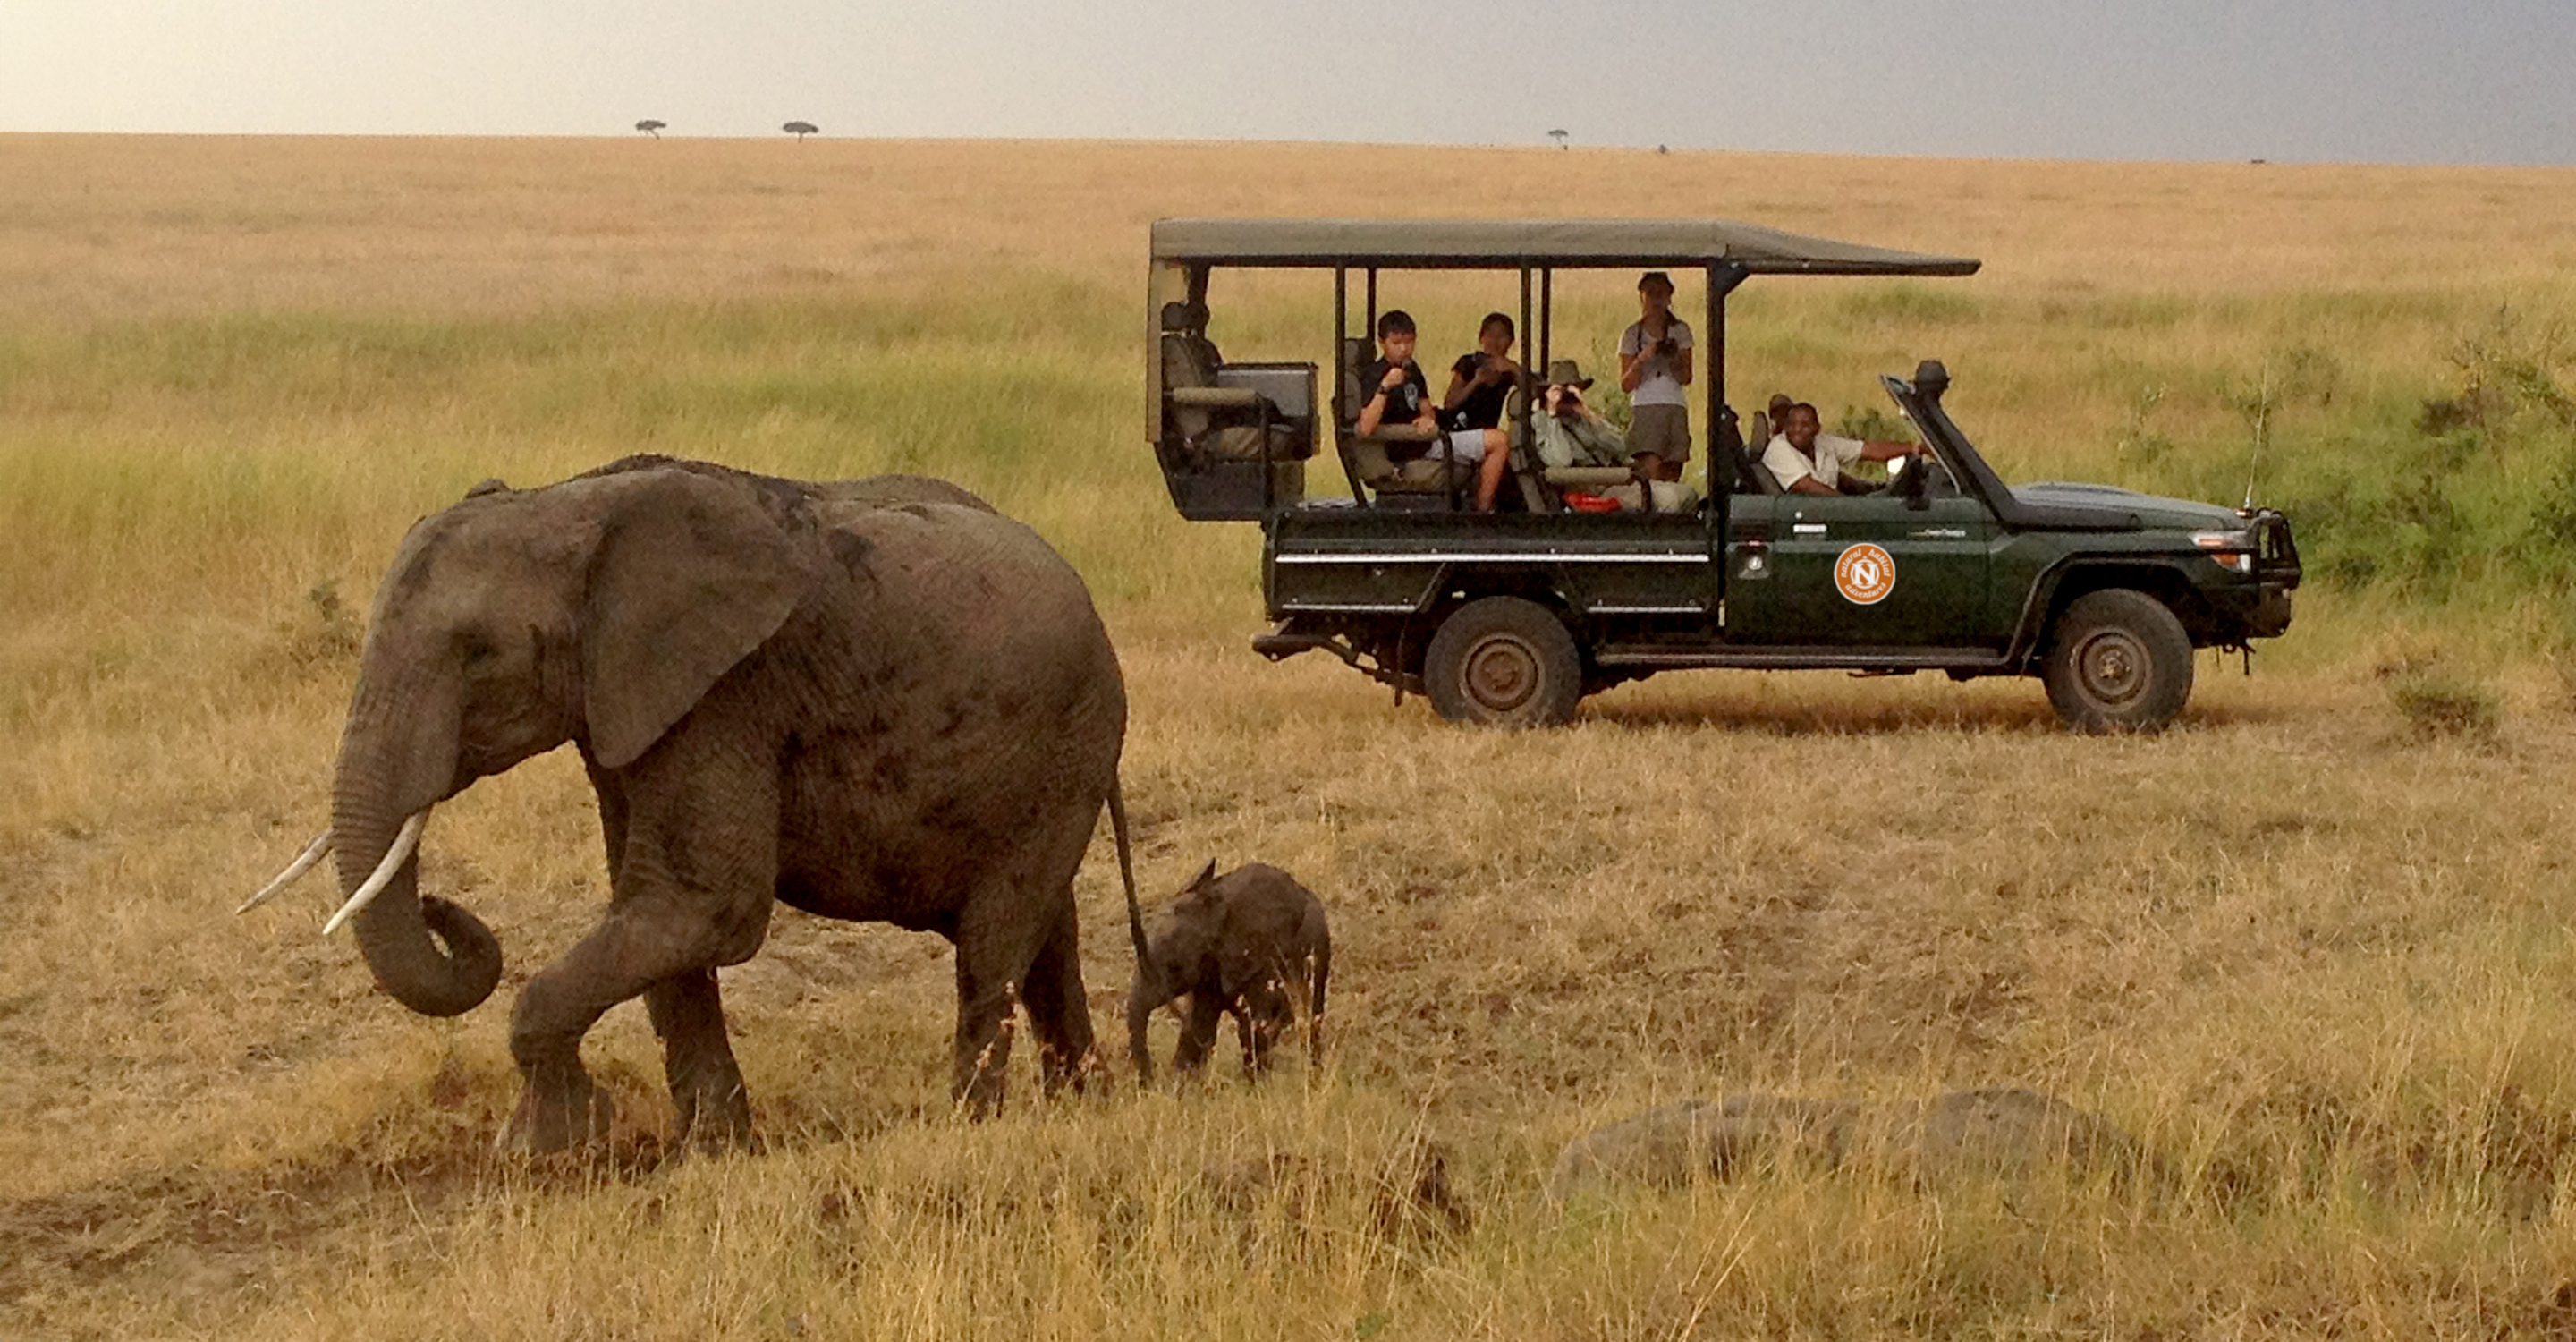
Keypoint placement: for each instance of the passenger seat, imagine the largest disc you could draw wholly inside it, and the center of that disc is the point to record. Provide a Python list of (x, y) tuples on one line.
[(1752, 476), (1213, 422), (1368, 457)]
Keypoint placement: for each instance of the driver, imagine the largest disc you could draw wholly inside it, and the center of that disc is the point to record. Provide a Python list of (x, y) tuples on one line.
[(1807, 461)]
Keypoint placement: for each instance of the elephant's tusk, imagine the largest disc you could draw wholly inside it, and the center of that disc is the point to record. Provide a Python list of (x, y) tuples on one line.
[(383, 875), (312, 853)]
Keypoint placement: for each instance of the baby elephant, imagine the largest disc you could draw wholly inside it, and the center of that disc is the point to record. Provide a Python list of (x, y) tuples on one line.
[(1234, 944)]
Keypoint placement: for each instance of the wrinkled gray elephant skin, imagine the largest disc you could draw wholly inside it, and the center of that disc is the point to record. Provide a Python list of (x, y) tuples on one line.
[(1997, 1132), (1233, 945), (875, 700)]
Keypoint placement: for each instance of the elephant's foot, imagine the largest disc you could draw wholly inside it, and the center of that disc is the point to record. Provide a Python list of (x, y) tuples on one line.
[(978, 1094), (714, 1117), (1077, 1073), (982, 1068), (559, 1108), (706, 1083)]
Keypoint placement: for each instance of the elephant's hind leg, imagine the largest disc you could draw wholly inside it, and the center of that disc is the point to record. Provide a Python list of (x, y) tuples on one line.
[(1059, 1009), (996, 944), (1006, 929), (706, 1082)]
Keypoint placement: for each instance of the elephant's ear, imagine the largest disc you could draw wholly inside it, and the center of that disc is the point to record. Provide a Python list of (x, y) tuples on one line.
[(690, 575)]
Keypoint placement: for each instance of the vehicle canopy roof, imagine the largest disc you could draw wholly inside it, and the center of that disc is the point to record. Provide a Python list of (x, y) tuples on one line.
[(1509, 244)]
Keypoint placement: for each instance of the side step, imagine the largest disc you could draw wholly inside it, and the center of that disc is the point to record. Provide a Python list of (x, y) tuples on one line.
[(1279, 647), (1668, 657)]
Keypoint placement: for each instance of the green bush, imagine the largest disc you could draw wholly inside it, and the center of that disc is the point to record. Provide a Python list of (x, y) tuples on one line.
[(2472, 486)]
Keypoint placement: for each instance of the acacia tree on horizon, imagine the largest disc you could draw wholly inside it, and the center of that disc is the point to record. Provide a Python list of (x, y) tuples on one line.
[(651, 127), (801, 129), (1558, 136)]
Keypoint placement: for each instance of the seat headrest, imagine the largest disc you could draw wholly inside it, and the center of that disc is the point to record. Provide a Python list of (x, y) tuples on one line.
[(1184, 316)]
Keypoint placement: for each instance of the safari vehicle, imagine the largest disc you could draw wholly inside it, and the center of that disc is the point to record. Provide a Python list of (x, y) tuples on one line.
[(1513, 616)]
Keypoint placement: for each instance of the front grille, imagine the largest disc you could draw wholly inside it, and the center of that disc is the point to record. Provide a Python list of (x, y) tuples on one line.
[(2276, 556)]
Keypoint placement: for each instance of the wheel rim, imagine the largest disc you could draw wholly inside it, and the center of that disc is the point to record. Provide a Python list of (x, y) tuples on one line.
[(1500, 673), (2113, 668)]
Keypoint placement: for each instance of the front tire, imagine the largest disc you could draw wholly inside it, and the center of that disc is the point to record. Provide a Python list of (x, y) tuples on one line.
[(1503, 662), (2118, 661)]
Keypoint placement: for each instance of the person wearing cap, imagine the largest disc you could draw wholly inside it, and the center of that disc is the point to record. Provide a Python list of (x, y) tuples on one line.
[(1654, 367), (1807, 461), (1397, 393)]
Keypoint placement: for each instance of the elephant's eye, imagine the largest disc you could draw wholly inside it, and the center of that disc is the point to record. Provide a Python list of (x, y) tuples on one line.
[(477, 651)]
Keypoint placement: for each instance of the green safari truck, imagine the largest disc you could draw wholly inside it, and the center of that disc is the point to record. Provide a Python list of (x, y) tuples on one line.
[(1510, 617)]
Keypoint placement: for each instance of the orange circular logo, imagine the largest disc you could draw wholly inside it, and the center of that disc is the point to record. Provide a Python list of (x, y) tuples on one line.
[(1865, 574)]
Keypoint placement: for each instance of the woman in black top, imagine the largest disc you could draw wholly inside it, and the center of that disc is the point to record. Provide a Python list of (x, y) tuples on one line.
[(1478, 382)]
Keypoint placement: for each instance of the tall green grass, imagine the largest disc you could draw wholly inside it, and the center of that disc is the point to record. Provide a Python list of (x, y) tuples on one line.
[(2423, 444)]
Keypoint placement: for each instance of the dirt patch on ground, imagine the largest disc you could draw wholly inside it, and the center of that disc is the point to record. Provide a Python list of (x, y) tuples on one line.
[(207, 1239)]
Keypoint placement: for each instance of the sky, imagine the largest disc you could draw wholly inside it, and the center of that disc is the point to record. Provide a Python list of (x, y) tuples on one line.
[(2407, 81)]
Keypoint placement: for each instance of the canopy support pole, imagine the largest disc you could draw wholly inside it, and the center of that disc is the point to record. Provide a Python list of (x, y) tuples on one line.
[(1341, 377)]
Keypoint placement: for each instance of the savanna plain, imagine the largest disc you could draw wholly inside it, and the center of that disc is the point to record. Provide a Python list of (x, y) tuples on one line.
[(2312, 947)]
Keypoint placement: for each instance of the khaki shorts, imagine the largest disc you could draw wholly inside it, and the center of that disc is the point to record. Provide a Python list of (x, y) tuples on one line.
[(1661, 429)]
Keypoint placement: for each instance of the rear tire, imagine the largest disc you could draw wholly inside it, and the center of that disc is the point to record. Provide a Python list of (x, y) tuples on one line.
[(1503, 662), (2118, 661)]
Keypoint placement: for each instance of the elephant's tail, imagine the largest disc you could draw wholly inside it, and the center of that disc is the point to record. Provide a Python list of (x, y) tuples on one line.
[(1127, 874), (1323, 972)]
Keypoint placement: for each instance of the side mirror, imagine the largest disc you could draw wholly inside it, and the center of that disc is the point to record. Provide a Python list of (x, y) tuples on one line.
[(1931, 379)]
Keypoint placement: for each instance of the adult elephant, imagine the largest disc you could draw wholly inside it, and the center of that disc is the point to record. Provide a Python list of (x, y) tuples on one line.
[(878, 700)]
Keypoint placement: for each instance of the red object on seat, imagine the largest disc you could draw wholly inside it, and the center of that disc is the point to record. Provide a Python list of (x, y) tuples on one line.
[(1590, 503)]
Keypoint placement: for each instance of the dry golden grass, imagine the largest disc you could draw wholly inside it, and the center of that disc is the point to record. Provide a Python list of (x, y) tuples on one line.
[(2318, 963)]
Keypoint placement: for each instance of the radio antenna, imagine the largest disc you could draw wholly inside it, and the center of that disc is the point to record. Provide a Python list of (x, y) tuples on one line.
[(2257, 410)]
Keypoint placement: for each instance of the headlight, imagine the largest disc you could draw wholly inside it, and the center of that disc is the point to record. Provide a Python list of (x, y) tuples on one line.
[(2230, 550)]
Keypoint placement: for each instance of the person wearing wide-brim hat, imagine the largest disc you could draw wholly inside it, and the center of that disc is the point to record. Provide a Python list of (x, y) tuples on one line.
[(1570, 432), (1654, 367)]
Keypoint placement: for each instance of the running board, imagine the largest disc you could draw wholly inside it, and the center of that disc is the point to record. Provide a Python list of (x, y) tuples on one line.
[(1279, 646), (1666, 656)]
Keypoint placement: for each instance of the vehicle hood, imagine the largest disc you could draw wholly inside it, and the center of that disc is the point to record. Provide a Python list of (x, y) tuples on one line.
[(2152, 511)]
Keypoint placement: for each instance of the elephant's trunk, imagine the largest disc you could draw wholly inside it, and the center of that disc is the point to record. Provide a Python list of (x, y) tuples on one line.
[(373, 795)]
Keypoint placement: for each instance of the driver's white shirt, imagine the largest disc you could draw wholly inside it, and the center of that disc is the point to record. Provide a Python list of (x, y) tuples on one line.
[(1788, 465)]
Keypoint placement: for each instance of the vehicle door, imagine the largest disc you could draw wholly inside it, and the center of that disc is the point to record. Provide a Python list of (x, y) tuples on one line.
[(1861, 571)]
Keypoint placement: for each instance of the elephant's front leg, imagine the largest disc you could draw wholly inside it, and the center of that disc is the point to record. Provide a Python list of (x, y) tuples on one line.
[(693, 882), (559, 1107), (1198, 1031), (707, 1092), (1262, 1014)]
